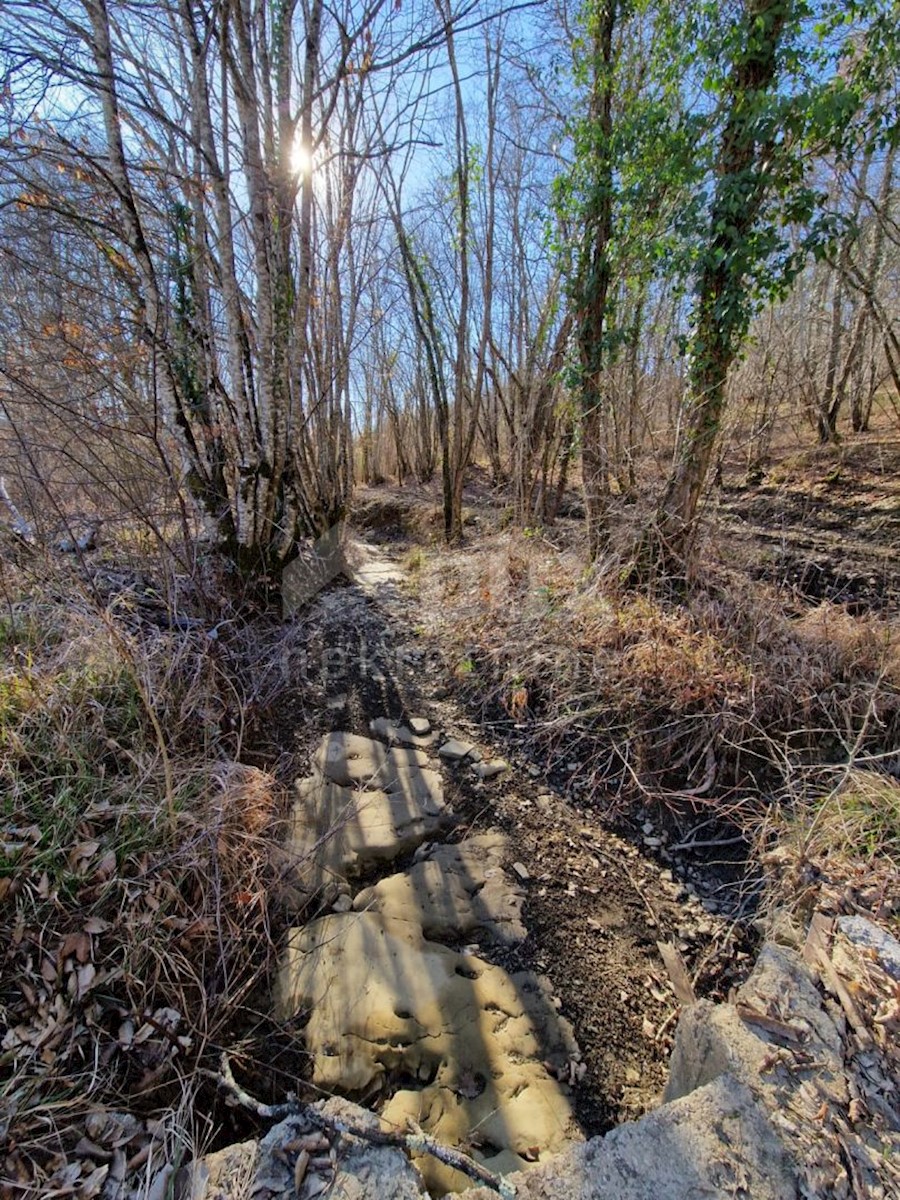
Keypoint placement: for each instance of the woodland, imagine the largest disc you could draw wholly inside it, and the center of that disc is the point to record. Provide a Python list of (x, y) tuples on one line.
[(587, 317)]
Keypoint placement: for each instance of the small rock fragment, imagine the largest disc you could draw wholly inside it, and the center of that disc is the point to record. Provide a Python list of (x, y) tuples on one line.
[(454, 750), (300, 1168), (522, 871), (869, 936), (492, 768), (419, 725)]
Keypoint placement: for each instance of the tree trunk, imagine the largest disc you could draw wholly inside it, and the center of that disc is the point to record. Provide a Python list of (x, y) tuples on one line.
[(721, 311), (593, 284)]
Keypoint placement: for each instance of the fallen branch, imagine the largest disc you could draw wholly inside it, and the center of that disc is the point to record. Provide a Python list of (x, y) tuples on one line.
[(416, 1142), (704, 845)]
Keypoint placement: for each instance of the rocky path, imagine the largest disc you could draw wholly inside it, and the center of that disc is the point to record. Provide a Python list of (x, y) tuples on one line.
[(400, 1006), (432, 886), (438, 891)]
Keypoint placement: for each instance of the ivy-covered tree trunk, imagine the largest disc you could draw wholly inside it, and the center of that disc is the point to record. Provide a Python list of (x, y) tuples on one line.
[(722, 310), (592, 286)]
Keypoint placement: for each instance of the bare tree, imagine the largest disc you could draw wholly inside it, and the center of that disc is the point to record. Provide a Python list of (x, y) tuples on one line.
[(220, 152)]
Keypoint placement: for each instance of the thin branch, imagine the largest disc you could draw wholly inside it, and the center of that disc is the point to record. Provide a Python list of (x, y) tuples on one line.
[(416, 1142)]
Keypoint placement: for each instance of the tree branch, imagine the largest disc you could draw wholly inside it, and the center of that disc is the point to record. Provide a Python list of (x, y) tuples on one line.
[(415, 1142)]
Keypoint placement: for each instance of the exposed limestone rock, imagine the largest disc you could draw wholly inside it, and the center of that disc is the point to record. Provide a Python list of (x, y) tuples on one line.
[(457, 891), (383, 1000), (339, 833), (792, 1047), (716, 1144), (404, 735), (714, 1039), (348, 759), (868, 936), (491, 769), (264, 1169), (520, 1113), (419, 725), (453, 750)]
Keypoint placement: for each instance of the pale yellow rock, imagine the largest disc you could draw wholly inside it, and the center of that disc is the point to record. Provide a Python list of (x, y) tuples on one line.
[(348, 759), (459, 890), (521, 1112), (338, 833), (392, 731), (382, 999)]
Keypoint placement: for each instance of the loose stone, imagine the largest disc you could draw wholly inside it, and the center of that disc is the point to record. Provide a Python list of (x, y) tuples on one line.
[(491, 769), (454, 750)]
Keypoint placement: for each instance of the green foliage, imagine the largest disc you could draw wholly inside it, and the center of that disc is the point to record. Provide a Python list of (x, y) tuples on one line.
[(674, 74), (76, 741), (68, 738)]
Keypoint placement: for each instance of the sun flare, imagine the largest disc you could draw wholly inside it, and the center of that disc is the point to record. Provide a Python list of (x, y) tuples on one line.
[(301, 158)]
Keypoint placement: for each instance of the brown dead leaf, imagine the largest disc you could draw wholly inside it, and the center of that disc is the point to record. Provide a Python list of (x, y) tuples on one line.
[(92, 1184), (86, 976), (300, 1168), (106, 868), (64, 1179), (81, 854), (772, 1025), (96, 925), (76, 945), (678, 973), (85, 1148), (888, 1015)]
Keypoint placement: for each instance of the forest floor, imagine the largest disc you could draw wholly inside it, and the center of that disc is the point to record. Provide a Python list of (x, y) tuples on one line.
[(825, 524), (677, 769)]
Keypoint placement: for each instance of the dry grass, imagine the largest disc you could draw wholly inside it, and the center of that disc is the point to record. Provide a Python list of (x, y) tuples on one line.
[(717, 701), (832, 845), (134, 882)]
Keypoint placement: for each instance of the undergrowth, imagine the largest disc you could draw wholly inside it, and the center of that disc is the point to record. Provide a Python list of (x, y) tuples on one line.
[(713, 704), (134, 881)]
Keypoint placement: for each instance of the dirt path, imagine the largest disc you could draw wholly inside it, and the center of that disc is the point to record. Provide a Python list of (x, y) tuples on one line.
[(595, 907)]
